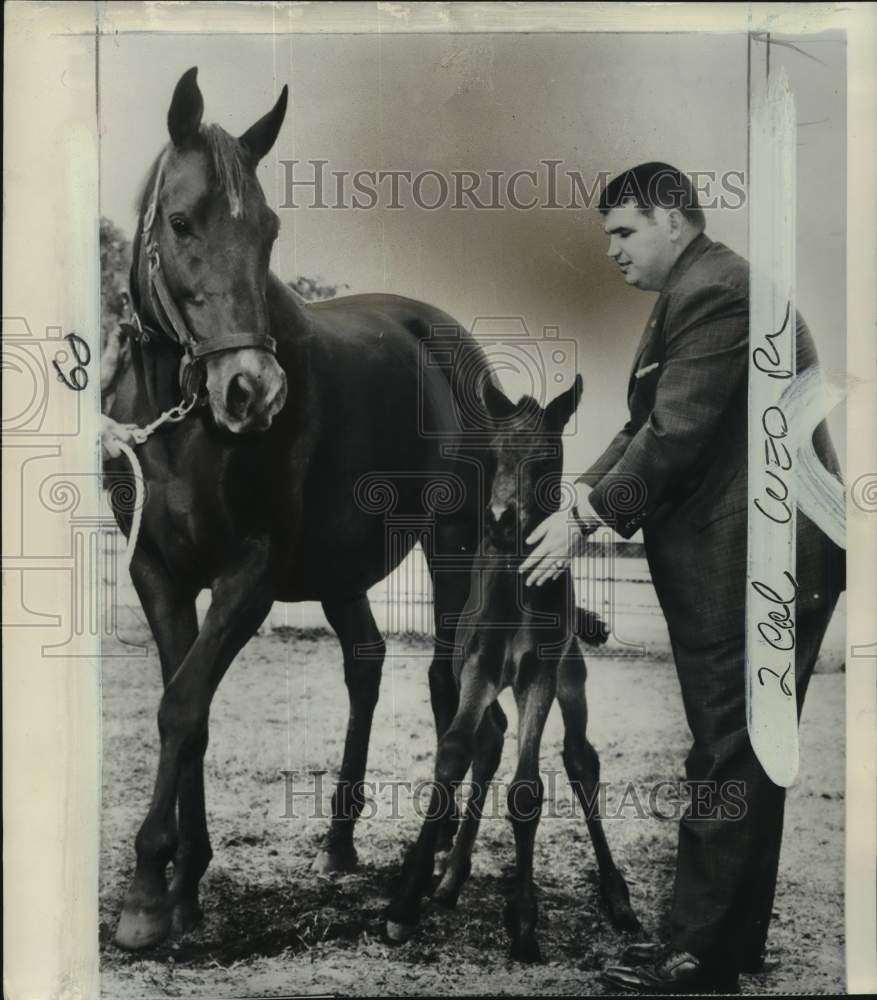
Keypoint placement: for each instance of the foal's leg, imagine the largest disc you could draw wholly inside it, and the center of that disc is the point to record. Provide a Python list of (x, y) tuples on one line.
[(449, 554), (170, 610), (525, 807), (488, 752), (241, 600), (453, 757), (364, 651), (583, 768)]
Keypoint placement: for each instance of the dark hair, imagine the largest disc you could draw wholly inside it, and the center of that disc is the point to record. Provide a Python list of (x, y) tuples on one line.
[(650, 186)]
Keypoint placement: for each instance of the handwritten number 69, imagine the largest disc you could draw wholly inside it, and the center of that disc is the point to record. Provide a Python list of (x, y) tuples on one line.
[(77, 377)]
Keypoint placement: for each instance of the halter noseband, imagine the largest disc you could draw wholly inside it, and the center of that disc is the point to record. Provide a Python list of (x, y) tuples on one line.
[(170, 319)]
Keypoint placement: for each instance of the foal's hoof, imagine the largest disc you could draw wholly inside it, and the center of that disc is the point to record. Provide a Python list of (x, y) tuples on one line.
[(399, 933), (526, 950), (329, 861), (139, 929), (186, 916), (446, 894), (440, 863), (623, 918), (617, 901), (448, 890)]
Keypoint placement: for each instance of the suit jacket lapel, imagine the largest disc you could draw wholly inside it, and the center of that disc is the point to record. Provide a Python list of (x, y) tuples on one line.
[(655, 318), (694, 249)]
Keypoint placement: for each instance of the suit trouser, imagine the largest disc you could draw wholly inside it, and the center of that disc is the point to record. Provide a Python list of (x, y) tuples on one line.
[(727, 868)]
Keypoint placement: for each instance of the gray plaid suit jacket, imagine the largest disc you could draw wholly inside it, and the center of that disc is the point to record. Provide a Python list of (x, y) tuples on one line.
[(678, 468)]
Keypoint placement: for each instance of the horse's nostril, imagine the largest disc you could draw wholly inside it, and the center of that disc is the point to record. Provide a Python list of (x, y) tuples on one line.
[(238, 397)]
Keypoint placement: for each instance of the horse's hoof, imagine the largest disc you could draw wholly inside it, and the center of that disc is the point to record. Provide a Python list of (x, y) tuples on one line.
[(448, 890), (623, 918), (186, 916), (617, 901), (525, 950), (446, 895), (139, 929), (399, 933), (327, 862)]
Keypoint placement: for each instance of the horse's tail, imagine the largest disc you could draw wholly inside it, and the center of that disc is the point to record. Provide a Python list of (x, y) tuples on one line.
[(590, 627)]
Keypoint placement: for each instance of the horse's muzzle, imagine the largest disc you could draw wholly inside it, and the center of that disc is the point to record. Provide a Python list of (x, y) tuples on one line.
[(249, 405)]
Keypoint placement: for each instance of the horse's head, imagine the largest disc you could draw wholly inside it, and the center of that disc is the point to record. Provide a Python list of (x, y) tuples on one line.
[(206, 235), (528, 447)]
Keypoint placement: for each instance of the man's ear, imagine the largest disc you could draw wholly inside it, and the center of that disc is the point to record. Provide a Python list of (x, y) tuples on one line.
[(675, 223)]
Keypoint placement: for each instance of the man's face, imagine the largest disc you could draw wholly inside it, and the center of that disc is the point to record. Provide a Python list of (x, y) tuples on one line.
[(642, 247)]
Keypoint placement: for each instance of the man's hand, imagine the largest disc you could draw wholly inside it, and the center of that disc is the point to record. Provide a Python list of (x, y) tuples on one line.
[(557, 540), (111, 433)]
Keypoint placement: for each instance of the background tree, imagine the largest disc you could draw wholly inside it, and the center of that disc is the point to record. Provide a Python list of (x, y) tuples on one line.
[(115, 261)]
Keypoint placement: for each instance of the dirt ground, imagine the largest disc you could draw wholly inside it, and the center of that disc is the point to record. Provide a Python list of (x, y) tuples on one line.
[(274, 928)]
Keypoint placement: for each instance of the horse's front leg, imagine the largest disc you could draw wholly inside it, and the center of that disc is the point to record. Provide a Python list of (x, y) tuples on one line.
[(241, 599), (169, 605), (364, 650)]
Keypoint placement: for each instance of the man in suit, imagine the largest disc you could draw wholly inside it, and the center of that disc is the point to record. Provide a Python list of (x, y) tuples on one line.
[(678, 470)]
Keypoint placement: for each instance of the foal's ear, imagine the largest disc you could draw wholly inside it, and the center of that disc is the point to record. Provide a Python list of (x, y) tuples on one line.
[(562, 407), (498, 405), (187, 107), (259, 138)]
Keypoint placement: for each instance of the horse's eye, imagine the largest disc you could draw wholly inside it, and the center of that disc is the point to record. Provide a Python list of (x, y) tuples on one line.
[(180, 226)]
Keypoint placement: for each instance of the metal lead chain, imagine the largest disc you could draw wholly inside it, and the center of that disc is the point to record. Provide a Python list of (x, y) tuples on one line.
[(173, 416)]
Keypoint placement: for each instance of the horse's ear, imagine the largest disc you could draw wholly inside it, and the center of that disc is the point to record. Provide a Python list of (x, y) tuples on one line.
[(498, 405), (259, 138), (562, 407), (187, 107)]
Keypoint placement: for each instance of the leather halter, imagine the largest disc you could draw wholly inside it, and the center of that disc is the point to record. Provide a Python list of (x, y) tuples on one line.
[(170, 320)]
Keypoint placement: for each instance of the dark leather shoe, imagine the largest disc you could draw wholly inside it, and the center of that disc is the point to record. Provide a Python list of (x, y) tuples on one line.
[(644, 952), (674, 972), (649, 952)]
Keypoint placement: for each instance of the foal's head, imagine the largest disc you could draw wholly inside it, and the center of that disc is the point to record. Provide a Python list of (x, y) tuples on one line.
[(212, 232), (528, 447)]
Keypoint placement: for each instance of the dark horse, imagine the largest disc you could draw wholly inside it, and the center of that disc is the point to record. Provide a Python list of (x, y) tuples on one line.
[(320, 419), (523, 638)]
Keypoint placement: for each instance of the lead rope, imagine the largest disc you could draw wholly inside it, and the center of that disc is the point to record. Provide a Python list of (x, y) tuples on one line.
[(140, 436)]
